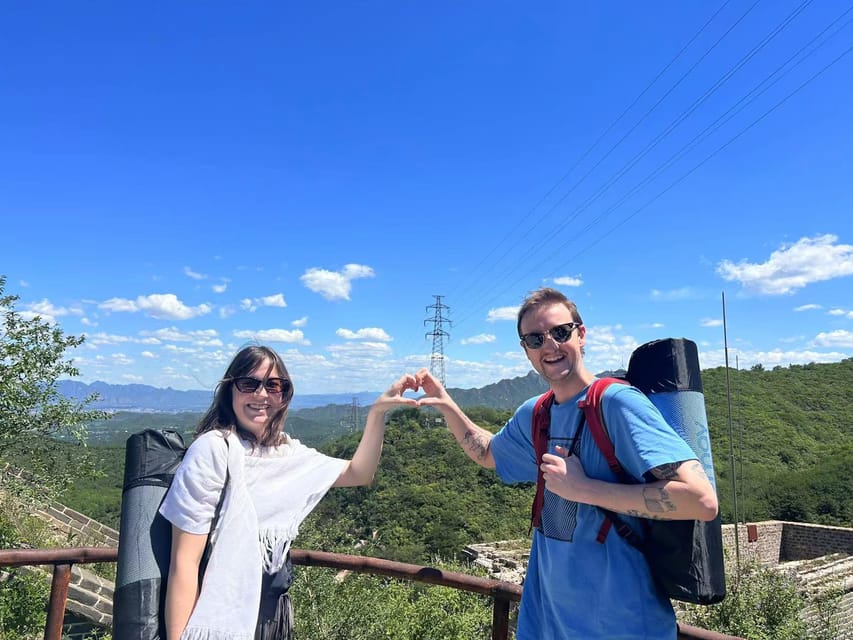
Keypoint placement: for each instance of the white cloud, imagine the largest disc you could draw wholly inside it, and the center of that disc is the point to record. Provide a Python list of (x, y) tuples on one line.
[(502, 313), (710, 322), (807, 307), (301, 322), (792, 267), (674, 295), (361, 349), (194, 275), (568, 281), (367, 333), (47, 311), (844, 313), (768, 359), (274, 335), (482, 338), (119, 305), (252, 304), (220, 288), (162, 306), (836, 339), (148, 354), (88, 323), (275, 300), (335, 285), (201, 337)]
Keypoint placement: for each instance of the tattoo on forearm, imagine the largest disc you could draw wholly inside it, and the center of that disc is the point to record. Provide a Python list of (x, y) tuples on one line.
[(476, 444), (657, 500), (647, 516), (666, 471), (697, 468)]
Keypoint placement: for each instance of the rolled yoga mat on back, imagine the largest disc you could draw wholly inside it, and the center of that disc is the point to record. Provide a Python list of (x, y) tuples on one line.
[(145, 536), (667, 371)]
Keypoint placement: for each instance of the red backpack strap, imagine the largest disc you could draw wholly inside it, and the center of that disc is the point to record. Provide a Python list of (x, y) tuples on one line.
[(591, 406), (539, 434)]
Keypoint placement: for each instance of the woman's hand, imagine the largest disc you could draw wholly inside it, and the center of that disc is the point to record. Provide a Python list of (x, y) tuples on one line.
[(393, 397), (361, 469)]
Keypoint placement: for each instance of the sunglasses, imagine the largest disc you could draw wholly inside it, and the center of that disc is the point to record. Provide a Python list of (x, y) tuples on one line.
[(561, 333), (247, 384)]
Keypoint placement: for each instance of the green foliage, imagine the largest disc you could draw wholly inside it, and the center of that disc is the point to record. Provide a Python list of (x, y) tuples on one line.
[(23, 599), (789, 425), (761, 604), (32, 412), (427, 499), (355, 606), (100, 497), (23, 594)]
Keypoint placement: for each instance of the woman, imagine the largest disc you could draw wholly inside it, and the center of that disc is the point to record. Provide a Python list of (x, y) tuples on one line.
[(261, 484)]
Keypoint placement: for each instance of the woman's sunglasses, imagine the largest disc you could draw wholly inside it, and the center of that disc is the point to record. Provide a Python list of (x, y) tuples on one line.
[(247, 384), (561, 333)]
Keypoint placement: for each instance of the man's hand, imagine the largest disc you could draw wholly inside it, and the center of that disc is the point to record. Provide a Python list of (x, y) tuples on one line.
[(564, 474)]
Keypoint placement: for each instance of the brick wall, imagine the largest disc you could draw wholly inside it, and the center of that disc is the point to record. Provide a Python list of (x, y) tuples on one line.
[(804, 541), (761, 541), (80, 530)]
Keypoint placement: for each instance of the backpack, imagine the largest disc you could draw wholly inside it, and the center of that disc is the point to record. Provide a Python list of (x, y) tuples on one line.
[(145, 536), (685, 556)]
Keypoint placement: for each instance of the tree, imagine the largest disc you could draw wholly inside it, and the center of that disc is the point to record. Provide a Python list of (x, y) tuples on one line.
[(34, 416)]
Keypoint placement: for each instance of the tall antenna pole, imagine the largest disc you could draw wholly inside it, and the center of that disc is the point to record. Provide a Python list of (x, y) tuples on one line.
[(436, 360), (354, 416), (731, 435)]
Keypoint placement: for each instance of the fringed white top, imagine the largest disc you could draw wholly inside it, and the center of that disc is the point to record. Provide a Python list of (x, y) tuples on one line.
[(270, 491)]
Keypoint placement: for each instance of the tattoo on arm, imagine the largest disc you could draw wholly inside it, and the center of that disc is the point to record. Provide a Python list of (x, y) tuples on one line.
[(476, 444), (666, 471), (657, 500)]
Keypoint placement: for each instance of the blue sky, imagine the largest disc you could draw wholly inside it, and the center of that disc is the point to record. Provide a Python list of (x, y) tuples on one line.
[(179, 179)]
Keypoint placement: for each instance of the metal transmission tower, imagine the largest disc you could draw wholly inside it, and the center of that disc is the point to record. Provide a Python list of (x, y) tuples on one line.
[(436, 361), (352, 423)]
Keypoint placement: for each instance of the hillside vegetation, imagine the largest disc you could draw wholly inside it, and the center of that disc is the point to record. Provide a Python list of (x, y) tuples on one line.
[(793, 447)]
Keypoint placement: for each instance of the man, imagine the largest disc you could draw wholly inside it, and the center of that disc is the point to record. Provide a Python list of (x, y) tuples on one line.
[(576, 587)]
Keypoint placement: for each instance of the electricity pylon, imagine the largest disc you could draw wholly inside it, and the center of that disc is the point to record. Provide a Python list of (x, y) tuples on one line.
[(436, 360)]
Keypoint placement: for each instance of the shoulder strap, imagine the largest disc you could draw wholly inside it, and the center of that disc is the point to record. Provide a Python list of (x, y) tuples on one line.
[(592, 409), (539, 433), (208, 547)]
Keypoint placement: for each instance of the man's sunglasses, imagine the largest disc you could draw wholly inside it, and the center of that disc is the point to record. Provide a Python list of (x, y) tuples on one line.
[(247, 384), (561, 333)]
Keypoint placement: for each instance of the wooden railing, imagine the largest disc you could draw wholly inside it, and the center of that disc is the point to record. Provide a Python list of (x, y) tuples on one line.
[(503, 594)]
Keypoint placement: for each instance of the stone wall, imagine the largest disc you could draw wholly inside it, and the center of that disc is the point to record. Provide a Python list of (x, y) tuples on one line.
[(77, 529), (760, 541), (804, 541)]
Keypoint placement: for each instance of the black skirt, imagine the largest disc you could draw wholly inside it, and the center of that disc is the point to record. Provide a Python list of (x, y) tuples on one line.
[(275, 614)]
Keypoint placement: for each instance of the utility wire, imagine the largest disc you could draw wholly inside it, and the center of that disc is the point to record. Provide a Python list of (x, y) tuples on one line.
[(523, 219), (735, 109), (678, 120), (717, 151)]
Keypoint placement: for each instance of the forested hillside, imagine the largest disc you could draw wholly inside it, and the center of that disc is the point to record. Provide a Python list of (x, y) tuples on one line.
[(793, 448)]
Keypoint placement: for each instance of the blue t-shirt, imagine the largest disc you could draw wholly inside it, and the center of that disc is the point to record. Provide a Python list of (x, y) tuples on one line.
[(577, 588)]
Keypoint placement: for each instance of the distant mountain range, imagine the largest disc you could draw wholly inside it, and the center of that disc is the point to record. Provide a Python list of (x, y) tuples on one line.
[(505, 394), (145, 398)]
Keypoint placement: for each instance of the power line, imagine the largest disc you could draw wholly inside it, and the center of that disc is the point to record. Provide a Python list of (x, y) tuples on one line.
[(523, 219), (700, 137), (603, 188)]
